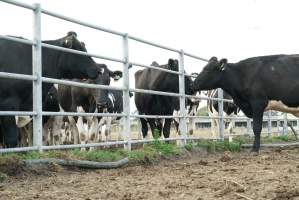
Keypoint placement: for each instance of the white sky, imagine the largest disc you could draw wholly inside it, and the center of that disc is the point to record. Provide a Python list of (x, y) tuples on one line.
[(232, 29)]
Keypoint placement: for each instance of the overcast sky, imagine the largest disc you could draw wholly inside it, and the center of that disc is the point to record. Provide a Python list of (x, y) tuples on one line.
[(232, 29)]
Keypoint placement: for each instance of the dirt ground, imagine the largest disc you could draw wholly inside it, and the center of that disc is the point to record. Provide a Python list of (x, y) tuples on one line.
[(274, 174)]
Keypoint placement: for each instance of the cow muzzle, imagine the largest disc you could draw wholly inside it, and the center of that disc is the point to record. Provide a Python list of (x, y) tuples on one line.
[(102, 107)]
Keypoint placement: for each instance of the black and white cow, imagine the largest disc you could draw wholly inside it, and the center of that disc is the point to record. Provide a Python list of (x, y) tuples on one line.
[(149, 104), (192, 109), (51, 124), (229, 110), (114, 105), (17, 58), (256, 85), (77, 99)]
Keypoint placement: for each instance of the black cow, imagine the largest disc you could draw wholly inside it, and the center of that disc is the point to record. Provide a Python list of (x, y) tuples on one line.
[(229, 109), (77, 99), (148, 104), (256, 85), (17, 58)]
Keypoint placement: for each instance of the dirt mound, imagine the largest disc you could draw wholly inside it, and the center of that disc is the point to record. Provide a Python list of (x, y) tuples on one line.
[(12, 166), (272, 175)]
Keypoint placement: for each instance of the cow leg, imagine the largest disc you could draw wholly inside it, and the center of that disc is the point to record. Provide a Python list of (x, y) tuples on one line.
[(23, 137), (166, 128), (100, 128), (108, 129), (56, 129), (82, 133), (144, 127), (10, 131), (46, 134), (191, 126), (258, 109), (74, 128), (93, 131), (154, 128), (160, 126), (176, 121), (231, 125), (121, 135), (29, 129), (213, 127)]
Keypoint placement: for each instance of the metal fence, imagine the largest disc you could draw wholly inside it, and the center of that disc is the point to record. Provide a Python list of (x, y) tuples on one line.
[(37, 80)]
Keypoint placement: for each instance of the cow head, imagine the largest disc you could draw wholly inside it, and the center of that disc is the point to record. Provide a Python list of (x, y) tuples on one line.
[(75, 65), (173, 65), (211, 75), (102, 97)]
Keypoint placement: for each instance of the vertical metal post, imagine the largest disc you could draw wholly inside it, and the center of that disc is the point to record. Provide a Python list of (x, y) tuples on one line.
[(269, 124), (297, 125), (37, 84), (285, 124), (126, 95), (183, 121), (220, 109)]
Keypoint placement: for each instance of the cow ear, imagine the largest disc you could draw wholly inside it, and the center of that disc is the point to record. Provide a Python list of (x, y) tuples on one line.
[(213, 59), (116, 75), (173, 64), (72, 33), (222, 64)]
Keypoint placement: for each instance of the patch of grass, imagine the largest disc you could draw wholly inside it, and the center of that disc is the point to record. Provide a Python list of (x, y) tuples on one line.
[(246, 139), (165, 148), (150, 152), (284, 138), (218, 146), (189, 146), (3, 177), (141, 154)]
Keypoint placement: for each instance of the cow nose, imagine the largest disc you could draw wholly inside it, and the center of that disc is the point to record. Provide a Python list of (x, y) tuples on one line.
[(102, 104), (102, 107)]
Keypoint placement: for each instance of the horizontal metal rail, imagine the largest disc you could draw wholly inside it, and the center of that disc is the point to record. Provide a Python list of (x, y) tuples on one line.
[(83, 114), (72, 146), (172, 139), (153, 44), (153, 67), (196, 57), (155, 92), (155, 116), (18, 149), (78, 84), (53, 14), (73, 20), (273, 145), (16, 39), (18, 76), (81, 52), (209, 98), (17, 113), (17, 3)]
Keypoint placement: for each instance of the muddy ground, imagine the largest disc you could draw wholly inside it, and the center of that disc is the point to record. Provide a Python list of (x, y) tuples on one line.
[(274, 174)]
